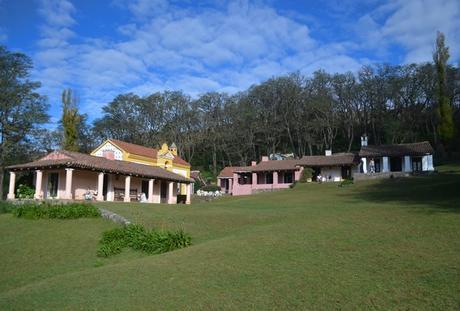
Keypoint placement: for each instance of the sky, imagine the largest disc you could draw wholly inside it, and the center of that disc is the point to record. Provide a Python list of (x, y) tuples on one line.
[(104, 48)]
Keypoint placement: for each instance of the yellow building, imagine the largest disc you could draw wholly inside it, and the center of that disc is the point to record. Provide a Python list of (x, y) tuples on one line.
[(166, 157)]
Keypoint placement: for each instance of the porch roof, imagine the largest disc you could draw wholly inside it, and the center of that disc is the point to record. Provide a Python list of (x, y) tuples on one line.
[(338, 159), (69, 159), (228, 171), (399, 150), (275, 165)]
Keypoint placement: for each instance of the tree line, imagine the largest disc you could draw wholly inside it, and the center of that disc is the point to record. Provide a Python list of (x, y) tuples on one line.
[(294, 113)]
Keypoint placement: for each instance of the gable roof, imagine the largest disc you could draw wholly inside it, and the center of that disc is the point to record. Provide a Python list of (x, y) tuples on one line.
[(399, 150), (228, 171), (275, 165), (144, 151), (70, 159), (337, 159)]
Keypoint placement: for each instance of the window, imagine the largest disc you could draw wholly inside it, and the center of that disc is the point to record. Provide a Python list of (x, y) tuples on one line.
[(269, 178), (288, 178), (53, 182), (417, 164)]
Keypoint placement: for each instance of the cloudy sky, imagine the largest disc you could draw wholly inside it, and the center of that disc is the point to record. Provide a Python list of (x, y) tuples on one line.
[(104, 48)]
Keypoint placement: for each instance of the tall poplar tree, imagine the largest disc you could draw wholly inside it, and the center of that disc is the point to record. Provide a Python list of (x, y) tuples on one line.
[(71, 120), (444, 115)]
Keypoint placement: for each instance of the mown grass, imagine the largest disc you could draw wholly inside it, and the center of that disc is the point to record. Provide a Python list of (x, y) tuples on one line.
[(391, 244)]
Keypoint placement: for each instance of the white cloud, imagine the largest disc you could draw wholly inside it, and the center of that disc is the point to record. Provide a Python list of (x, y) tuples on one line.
[(411, 24)]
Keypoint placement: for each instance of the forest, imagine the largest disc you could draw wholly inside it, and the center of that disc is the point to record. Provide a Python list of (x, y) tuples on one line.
[(297, 113)]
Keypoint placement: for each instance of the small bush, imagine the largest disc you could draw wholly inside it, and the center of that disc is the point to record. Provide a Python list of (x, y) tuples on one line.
[(346, 182), (137, 238), (293, 185), (211, 188), (307, 174), (59, 211), (6, 207), (25, 192)]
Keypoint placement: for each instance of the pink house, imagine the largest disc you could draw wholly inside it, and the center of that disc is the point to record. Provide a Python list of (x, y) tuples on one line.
[(269, 175)]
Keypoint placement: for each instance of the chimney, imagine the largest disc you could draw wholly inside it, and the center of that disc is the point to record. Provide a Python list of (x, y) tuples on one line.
[(264, 158), (253, 163), (364, 140), (328, 152)]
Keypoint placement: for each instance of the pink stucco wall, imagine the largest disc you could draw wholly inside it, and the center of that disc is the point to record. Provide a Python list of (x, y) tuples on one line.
[(248, 189)]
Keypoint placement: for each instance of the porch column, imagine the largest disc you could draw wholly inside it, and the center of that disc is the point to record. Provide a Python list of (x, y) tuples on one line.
[(430, 162), (254, 179), (100, 187), (11, 188), (188, 191), (38, 184), (275, 177), (407, 164), (364, 160), (127, 197), (170, 192), (385, 168), (68, 183), (230, 185), (150, 194)]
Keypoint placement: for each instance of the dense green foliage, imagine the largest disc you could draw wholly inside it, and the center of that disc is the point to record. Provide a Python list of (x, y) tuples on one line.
[(50, 210), (6, 207), (137, 238), (70, 121), (444, 114), (22, 111), (378, 245), (306, 176), (211, 188), (25, 192)]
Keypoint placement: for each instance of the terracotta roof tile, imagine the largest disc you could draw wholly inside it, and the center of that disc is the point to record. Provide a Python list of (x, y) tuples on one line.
[(413, 149), (228, 171), (144, 151), (337, 159), (63, 158)]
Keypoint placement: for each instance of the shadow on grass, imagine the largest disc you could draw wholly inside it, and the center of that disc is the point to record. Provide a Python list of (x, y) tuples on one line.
[(437, 192)]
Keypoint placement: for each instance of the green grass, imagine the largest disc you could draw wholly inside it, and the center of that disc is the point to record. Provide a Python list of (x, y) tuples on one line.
[(391, 244)]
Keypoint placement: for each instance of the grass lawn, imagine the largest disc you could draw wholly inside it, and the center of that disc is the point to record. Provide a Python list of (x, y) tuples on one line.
[(392, 244)]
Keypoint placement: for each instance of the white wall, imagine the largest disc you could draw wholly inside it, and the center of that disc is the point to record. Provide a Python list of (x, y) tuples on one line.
[(334, 172)]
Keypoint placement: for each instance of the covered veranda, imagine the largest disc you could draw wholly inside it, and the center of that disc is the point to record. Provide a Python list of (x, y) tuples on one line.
[(65, 175)]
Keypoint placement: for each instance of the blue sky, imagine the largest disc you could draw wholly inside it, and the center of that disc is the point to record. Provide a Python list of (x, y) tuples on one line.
[(105, 48)]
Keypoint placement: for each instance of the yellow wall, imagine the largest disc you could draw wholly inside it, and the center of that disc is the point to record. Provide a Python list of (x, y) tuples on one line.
[(164, 160)]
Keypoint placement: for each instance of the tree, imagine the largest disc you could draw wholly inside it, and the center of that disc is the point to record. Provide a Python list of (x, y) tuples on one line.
[(22, 109), (444, 115), (71, 121)]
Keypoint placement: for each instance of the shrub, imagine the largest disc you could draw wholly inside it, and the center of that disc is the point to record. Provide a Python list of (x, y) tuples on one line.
[(211, 188), (293, 185), (6, 207), (346, 182), (307, 174), (137, 238), (25, 192), (59, 211)]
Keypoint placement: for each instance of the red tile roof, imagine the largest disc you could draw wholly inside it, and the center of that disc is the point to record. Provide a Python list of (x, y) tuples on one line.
[(228, 171), (144, 151), (68, 159), (337, 159), (413, 149)]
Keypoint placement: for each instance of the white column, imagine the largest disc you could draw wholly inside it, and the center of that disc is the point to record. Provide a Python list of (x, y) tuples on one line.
[(38, 184), (254, 179), (150, 194), (407, 164), (385, 168), (100, 187), (230, 185), (127, 197), (110, 193), (275, 178), (425, 163), (430, 162), (188, 189), (11, 188), (364, 160), (68, 183), (171, 192)]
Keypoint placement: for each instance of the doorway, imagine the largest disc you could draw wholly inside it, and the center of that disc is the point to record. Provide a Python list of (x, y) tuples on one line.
[(163, 192), (53, 184), (395, 164)]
